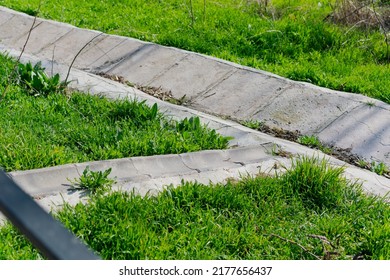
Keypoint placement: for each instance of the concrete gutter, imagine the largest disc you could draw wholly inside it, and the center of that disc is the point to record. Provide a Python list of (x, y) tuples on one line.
[(212, 88)]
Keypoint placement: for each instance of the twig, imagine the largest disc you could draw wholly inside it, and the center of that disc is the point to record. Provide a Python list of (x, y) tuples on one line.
[(78, 53), (296, 243), (21, 53)]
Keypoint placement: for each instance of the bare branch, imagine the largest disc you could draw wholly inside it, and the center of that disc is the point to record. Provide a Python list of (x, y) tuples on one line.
[(78, 53)]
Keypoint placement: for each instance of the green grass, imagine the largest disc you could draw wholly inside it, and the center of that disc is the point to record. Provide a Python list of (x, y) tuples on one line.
[(255, 218), (312, 141), (290, 38), (42, 131)]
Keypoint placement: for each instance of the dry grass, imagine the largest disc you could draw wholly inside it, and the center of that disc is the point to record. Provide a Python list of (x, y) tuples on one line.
[(362, 13)]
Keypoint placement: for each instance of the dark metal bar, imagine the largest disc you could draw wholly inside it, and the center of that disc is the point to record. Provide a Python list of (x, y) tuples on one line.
[(48, 235)]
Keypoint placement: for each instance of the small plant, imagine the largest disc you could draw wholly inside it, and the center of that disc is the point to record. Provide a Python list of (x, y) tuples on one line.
[(36, 81), (379, 168), (312, 141), (93, 181), (253, 124)]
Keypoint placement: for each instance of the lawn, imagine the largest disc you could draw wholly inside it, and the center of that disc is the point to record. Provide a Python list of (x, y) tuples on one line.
[(310, 212), (40, 129), (295, 39)]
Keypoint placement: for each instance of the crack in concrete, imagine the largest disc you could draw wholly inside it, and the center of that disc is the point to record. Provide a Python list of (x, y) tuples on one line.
[(186, 165)]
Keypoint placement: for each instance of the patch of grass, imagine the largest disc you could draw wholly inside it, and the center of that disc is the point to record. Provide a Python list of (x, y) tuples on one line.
[(378, 167), (310, 212), (253, 124), (289, 38), (312, 141), (54, 129)]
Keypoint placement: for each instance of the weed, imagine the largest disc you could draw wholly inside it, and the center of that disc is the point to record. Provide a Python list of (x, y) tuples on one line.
[(36, 81), (253, 124), (93, 181), (312, 141), (379, 168)]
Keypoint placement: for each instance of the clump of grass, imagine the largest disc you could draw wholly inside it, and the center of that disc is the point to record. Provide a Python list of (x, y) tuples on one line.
[(379, 168), (312, 141), (253, 124), (318, 185), (311, 212)]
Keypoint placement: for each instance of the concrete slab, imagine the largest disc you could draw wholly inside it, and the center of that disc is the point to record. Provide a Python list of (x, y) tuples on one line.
[(207, 160), (45, 180), (146, 63), (5, 16), (16, 29), (246, 155), (192, 76), (52, 32), (365, 130), (67, 46), (160, 166), (304, 109), (103, 54), (258, 90)]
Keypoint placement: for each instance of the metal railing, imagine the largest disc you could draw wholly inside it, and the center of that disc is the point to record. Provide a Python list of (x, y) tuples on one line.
[(48, 235)]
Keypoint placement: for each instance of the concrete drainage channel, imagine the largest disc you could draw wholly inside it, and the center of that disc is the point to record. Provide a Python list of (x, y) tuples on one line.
[(211, 86)]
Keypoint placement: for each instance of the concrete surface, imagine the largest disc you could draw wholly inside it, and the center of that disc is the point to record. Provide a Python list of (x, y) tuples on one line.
[(213, 88)]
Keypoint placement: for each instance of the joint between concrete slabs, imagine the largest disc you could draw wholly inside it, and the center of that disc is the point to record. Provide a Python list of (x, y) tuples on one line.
[(321, 129), (166, 70), (272, 99), (204, 94)]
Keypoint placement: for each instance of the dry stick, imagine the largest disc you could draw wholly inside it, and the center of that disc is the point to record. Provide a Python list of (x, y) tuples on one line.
[(78, 53), (21, 53), (295, 243)]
